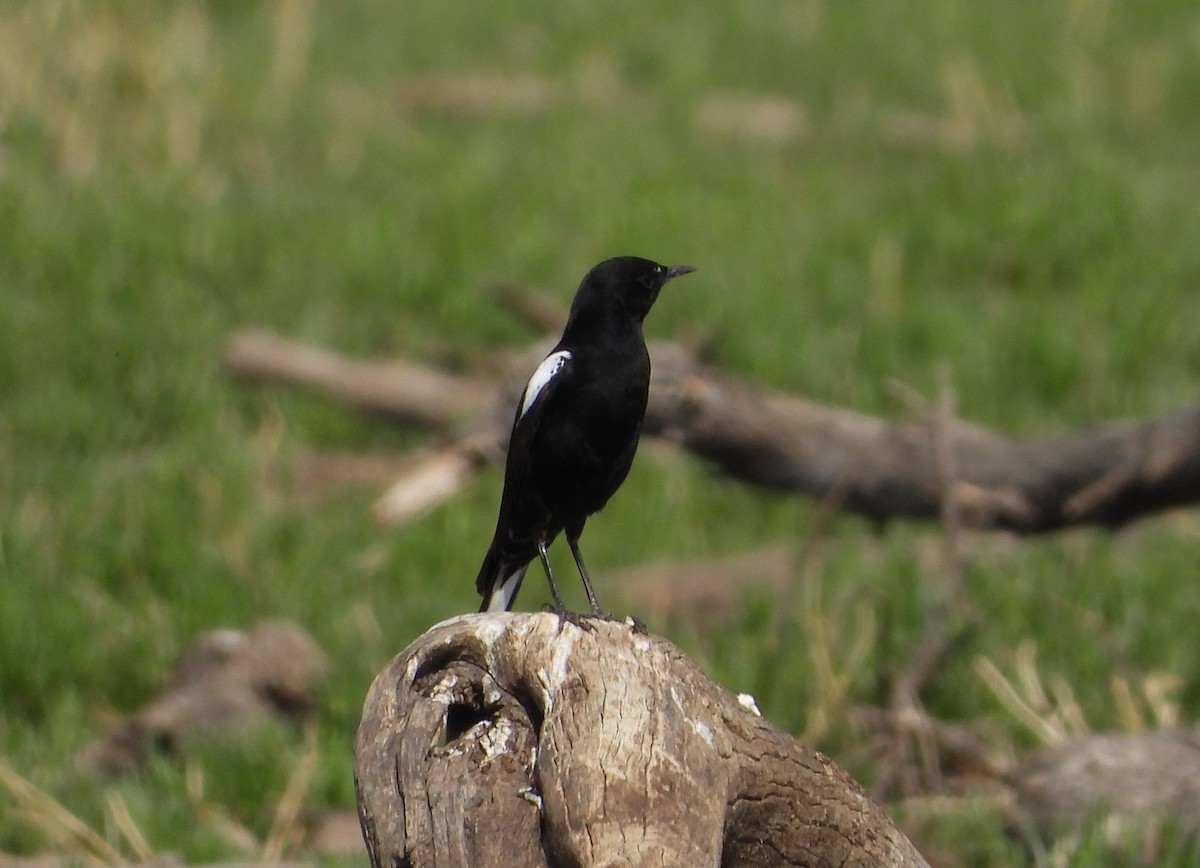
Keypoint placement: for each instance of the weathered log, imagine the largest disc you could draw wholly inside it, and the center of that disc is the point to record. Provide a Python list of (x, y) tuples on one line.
[(225, 681), (520, 739), (436, 476), (1106, 474), (410, 393), (1128, 787), (1143, 778)]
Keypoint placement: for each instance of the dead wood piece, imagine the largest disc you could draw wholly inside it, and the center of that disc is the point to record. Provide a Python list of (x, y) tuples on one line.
[(410, 393), (436, 476), (1107, 474), (519, 739), (1133, 783), (225, 681), (1143, 777)]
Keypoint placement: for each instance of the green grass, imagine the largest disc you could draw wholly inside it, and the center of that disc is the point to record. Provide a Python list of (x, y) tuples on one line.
[(1008, 191)]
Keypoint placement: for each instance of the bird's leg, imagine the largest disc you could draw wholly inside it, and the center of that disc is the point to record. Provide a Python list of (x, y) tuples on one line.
[(565, 615), (597, 612), (558, 603), (573, 542)]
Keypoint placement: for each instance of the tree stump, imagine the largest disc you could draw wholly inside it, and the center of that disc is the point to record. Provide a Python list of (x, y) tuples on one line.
[(519, 739)]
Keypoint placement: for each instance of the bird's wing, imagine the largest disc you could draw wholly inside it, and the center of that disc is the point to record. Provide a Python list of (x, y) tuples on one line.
[(555, 370), (548, 380)]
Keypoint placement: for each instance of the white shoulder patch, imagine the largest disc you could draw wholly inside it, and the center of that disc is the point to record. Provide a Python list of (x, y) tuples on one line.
[(545, 372)]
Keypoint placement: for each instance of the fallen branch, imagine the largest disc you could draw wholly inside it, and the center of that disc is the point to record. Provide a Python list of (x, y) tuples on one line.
[(1107, 474), (413, 394), (437, 476), (517, 739), (1128, 786), (1145, 779), (225, 681)]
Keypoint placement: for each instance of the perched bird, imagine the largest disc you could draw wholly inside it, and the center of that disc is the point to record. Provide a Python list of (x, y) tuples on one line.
[(576, 427)]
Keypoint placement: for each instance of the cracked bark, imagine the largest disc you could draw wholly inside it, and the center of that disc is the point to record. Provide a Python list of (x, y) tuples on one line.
[(515, 739)]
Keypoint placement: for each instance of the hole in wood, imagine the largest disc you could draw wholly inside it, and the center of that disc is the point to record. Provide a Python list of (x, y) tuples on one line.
[(460, 719)]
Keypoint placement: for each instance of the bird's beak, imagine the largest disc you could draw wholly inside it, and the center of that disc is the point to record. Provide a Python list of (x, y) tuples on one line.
[(678, 271)]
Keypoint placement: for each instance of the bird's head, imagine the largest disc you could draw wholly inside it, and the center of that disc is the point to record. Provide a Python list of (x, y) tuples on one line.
[(629, 282)]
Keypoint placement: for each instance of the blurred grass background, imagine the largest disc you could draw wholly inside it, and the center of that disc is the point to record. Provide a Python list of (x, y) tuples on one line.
[(870, 191)]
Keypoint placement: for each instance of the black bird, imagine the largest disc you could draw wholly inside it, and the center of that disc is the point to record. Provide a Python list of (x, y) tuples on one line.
[(576, 428)]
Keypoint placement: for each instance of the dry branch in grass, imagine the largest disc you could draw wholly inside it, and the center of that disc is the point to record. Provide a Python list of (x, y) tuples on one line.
[(226, 680), (1144, 778), (1106, 474), (518, 739), (435, 476), (1133, 784), (413, 394)]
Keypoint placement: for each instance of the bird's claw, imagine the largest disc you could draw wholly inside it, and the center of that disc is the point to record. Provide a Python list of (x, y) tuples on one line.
[(581, 620), (566, 616)]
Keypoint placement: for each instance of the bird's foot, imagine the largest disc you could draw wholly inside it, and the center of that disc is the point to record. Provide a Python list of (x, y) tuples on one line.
[(632, 621), (566, 616), (580, 620)]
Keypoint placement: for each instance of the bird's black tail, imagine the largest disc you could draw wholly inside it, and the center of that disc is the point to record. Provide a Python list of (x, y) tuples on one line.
[(498, 582)]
